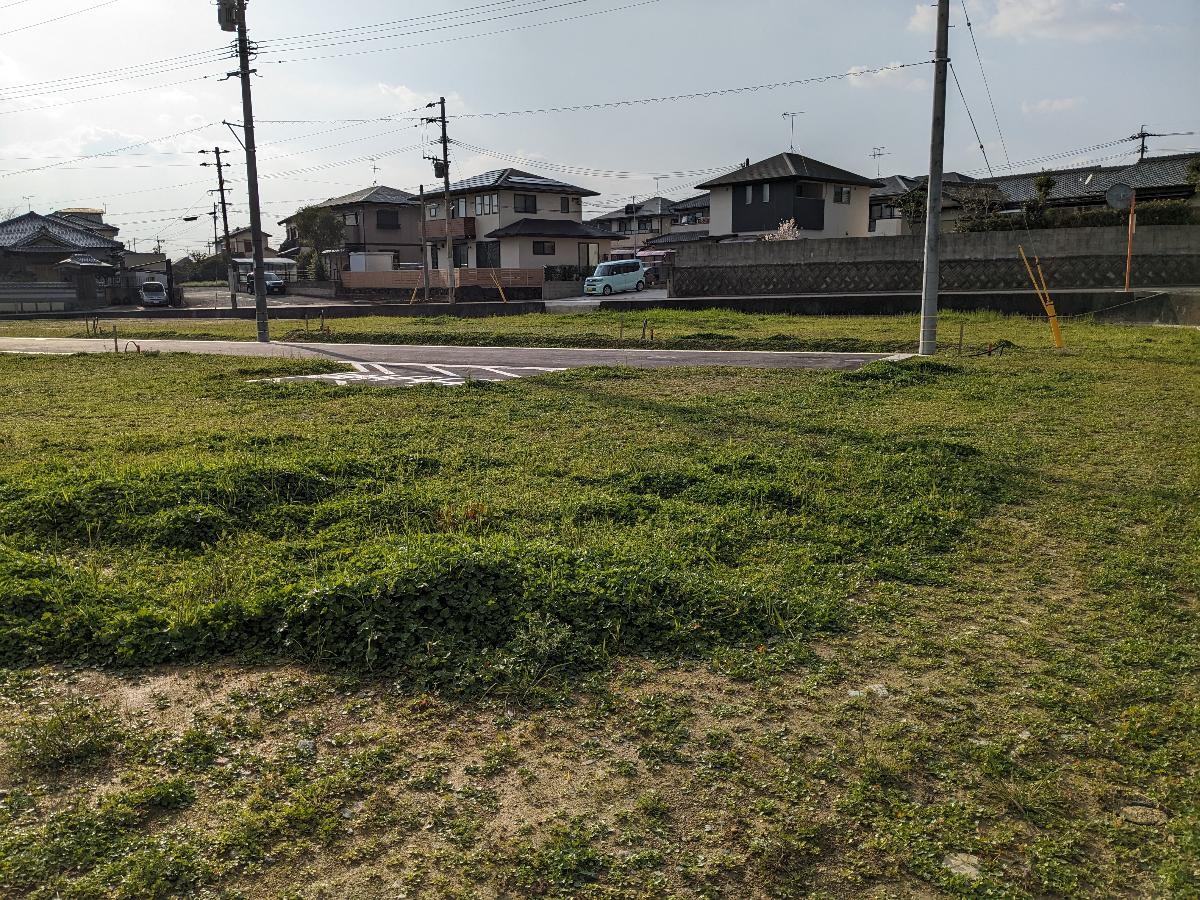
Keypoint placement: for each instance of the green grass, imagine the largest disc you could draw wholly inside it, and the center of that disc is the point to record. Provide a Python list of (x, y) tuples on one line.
[(689, 633), (680, 330)]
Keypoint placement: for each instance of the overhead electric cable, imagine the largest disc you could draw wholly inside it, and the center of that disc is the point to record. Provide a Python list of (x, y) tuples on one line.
[(77, 12)]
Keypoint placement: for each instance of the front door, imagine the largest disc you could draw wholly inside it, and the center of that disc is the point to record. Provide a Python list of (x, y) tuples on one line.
[(487, 254), (589, 255)]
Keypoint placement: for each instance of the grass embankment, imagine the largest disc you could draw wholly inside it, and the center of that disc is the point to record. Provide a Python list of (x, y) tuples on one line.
[(670, 330), (607, 633)]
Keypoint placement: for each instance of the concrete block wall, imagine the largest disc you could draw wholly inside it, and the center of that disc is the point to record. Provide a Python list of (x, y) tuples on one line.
[(1072, 257)]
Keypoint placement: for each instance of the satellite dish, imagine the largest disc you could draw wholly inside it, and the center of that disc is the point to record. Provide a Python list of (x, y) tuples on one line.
[(1119, 196)]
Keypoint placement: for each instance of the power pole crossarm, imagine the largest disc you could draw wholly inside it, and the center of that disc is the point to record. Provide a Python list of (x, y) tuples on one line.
[(933, 214)]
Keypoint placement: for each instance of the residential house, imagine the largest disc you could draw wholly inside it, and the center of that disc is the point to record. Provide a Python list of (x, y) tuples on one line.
[(241, 243), (1074, 190), (887, 216), (824, 201), (377, 220), (636, 223), (89, 218), (513, 220), (689, 224), (33, 247)]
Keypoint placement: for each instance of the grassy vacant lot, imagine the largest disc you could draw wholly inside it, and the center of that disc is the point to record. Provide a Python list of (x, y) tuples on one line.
[(928, 629), (671, 329)]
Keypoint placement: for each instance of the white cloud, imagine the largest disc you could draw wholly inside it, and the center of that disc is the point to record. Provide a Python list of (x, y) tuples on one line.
[(924, 19), (1071, 20), (1050, 105), (866, 77)]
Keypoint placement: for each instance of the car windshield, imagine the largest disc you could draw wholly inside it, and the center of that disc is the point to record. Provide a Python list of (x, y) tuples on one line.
[(271, 276), (152, 286)]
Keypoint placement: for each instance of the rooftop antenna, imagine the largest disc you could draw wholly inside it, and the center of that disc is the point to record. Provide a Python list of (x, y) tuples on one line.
[(656, 191), (877, 153), (374, 172), (1143, 134), (28, 204), (792, 116)]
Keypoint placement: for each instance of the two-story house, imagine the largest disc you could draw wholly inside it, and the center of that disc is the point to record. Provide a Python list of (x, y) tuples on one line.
[(509, 219), (241, 243), (824, 201), (377, 219), (636, 223)]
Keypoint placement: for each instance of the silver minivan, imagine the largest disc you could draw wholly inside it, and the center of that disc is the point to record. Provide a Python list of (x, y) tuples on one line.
[(614, 277)]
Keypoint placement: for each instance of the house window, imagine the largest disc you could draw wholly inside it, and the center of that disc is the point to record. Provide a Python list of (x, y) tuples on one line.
[(458, 209), (387, 219), (645, 223), (766, 193), (543, 248), (749, 194), (485, 205), (350, 218), (564, 205), (431, 211), (525, 203), (841, 194), (809, 190)]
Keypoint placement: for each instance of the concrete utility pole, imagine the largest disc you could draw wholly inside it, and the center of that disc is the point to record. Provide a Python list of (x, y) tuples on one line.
[(933, 215), (424, 250), (232, 16), (445, 170), (230, 274)]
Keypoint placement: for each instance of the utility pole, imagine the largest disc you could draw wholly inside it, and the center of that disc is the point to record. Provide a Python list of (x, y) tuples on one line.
[(231, 14), (933, 215), (215, 243), (1143, 134), (442, 167), (230, 276), (424, 250)]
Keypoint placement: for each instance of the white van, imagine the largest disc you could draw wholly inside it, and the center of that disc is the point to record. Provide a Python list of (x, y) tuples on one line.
[(614, 277)]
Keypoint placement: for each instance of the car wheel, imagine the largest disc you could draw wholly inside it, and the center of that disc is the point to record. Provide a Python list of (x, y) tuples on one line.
[(641, 286), (607, 290)]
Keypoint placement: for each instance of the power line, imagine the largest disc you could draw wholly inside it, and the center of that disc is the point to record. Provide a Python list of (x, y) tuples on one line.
[(987, 162), (154, 140), (588, 170), (159, 66), (465, 37), (719, 92), (156, 87), (77, 12), (986, 85), (298, 44)]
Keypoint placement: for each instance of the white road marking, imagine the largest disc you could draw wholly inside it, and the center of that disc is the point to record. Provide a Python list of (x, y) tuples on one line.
[(412, 375)]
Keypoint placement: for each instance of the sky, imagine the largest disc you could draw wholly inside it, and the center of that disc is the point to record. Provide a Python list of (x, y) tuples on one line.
[(140, 81)]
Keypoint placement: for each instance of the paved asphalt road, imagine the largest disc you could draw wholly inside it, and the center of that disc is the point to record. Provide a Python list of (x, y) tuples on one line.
[(399, 364)]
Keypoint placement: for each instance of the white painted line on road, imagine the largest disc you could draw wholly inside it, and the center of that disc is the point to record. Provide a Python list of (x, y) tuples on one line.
[(38, 352), (897, 357)]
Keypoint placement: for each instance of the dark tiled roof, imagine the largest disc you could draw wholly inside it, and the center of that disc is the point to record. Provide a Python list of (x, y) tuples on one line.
[(513, 180), (552, 228), (678, 237), (700, 201), (789, 165), (1156, 175), (899, 185), (82, 222), (85, 261), (656, 206), (379, 193), (28, 228)]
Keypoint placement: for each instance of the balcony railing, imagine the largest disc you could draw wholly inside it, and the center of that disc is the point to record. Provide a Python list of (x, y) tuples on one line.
[(435, 229)]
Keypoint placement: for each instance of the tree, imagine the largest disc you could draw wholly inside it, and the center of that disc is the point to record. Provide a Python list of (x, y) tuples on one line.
[(981, 205), (320, 229), (1193, 172), (787, 231), (912, 207)]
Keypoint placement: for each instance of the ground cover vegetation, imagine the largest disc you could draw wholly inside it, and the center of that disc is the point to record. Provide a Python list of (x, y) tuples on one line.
[(655, 328), (923, 629)]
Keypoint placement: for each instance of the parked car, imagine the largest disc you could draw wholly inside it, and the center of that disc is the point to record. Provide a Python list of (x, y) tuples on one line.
[(617, 276), (153, 293), (275, 284)]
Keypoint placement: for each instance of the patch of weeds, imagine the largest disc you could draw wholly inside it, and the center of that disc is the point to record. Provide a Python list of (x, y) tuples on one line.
[(565, 862), (64, 735)]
